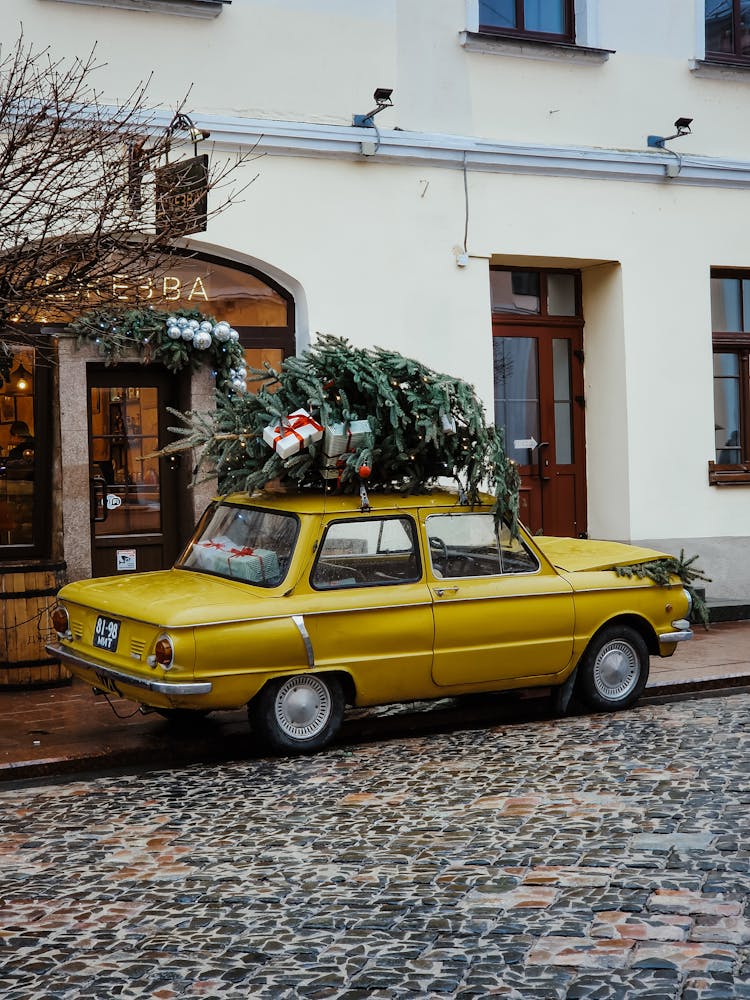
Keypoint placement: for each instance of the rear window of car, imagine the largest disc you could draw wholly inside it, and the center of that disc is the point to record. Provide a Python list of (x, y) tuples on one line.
[(242, 543)]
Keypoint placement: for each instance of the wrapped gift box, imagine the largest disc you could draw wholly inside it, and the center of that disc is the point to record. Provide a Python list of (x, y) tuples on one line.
[(211, 555), (297, 431), (253, 565), (341, 440), (222, 555)]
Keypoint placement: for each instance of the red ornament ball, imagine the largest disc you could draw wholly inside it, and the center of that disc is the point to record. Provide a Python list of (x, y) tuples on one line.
[(364, 471)]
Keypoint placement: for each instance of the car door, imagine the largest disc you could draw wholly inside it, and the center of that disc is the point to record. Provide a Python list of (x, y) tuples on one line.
[(500, 611), (370, 608)]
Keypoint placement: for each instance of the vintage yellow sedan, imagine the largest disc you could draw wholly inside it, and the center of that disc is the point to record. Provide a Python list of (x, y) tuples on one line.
[(297, 605)]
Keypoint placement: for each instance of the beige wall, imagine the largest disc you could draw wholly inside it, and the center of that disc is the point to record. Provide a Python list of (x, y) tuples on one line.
[(367, 246)]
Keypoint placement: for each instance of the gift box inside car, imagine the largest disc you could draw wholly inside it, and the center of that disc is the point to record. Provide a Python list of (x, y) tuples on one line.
[(224, 556)]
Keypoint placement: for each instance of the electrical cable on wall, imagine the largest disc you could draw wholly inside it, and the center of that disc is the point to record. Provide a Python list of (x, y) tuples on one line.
[(466, 204)]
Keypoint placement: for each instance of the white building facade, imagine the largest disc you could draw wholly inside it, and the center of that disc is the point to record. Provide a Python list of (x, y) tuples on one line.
[(503, 218)]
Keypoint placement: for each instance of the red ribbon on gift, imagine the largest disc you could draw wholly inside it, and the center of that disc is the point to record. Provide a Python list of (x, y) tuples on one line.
[(291, 425), (242, 552), (212, 545)]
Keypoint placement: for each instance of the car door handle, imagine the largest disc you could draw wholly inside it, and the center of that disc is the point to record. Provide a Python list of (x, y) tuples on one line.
[(445, 590)]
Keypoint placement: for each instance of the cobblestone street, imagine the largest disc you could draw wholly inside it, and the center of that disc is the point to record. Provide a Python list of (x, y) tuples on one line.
[(597, 856)]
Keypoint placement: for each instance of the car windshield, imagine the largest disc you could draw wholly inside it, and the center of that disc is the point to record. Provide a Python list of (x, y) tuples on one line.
[(242, 543)]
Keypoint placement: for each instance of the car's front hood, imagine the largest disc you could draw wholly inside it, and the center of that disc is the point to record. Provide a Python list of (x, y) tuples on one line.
[(574, 555), (168, 598)]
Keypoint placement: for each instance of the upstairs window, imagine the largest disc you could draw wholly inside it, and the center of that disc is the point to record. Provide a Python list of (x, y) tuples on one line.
[(728, 30), (546, 19), (730, 320)]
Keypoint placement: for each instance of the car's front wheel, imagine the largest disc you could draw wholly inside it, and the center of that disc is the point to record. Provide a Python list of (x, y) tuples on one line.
[(614, 669), (298, 714)]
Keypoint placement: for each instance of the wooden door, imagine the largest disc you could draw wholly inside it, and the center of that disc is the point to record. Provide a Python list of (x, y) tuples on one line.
[(136, 512), (539, 403)]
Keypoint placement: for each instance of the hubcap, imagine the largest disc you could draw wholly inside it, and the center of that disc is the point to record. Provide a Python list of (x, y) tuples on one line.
[(616, 670), (302, 707)]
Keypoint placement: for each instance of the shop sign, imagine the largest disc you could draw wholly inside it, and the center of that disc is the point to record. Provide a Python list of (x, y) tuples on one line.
[(182, 197)]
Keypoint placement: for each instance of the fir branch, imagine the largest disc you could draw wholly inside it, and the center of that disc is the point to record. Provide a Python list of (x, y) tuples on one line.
[(661, 571), (404, 402)]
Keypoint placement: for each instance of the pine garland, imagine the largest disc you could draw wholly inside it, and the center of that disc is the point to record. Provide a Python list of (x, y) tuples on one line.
[(118, 332), (424, 425), (661, 570)]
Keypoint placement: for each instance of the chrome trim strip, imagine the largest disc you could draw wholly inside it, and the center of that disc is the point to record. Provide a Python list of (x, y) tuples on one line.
[(273, 618), (676, 636), (299, 621), (160, 687)]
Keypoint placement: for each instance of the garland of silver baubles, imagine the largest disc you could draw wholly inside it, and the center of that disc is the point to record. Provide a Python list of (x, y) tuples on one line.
[(202, 335)]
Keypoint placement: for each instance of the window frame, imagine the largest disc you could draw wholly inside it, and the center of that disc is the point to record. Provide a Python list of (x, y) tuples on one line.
[(543, 316), (498, 530), (205, 520), (362, 585), (41, 521), (717, 55), (737, 343), (567, 36)]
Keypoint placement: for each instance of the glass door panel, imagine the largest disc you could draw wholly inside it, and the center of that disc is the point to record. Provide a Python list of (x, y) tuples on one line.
[(563, 401), (517, 395), (139, 517), (124, 435)]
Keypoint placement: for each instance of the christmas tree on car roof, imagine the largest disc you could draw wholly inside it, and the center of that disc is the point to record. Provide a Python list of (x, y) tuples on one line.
[(338, 415)]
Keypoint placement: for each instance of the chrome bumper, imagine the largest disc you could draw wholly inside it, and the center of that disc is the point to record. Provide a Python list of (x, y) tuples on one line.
[(108, 676), (681, 636)]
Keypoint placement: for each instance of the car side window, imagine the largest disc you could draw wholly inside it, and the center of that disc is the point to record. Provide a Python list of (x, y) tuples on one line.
[(367, 552), (470, 545)]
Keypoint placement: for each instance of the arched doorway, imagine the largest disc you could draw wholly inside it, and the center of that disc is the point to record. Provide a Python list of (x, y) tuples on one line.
[(137, 501)]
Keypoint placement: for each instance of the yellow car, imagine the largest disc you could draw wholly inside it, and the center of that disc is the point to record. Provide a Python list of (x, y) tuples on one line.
[(297, 605)]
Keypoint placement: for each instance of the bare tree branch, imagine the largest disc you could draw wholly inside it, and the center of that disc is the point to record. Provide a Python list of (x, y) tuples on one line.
[(78, 199)]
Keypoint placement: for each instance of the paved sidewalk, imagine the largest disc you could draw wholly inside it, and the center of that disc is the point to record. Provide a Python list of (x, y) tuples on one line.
[(67, 729)]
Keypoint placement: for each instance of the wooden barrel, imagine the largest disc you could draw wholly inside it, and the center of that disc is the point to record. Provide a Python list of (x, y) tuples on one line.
[(27, 596)]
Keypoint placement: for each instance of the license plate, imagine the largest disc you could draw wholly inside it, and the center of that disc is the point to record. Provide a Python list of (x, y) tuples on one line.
[(106, 633)]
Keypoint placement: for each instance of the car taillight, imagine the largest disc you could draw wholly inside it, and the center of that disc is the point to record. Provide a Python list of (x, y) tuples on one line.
[(164, 651), (60, 621)]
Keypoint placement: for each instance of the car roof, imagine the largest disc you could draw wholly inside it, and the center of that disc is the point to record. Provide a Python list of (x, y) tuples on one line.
[(309, 502)]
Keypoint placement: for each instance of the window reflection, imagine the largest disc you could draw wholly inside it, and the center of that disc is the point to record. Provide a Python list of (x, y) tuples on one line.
[(725, 305), (17, 451), (541, 16), (514, 291), (124, 436), (516, 394), (727, 408)]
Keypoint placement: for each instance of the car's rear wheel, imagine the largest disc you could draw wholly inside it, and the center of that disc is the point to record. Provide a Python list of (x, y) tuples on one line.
[(298, 714), (614, 669)]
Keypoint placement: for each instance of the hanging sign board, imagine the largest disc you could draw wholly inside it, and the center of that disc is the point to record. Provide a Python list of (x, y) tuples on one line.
[(182, 196)]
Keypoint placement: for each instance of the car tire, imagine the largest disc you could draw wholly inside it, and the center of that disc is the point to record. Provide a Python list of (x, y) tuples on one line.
[(614, 669), (298, 714)]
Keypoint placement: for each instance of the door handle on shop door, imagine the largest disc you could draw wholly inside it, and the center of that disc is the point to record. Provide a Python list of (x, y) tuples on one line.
[(540, 461)]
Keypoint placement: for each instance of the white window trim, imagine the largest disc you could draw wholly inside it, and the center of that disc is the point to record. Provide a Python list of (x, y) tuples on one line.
[(699, 21), (182, 8)]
